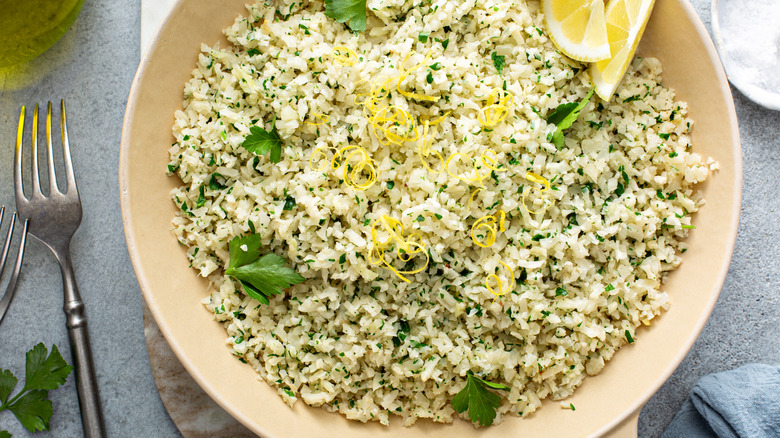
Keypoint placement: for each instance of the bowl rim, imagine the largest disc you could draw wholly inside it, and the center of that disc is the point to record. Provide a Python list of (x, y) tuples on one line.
[(628, 412)]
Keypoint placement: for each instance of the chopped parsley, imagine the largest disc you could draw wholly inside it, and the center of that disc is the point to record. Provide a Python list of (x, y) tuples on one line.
[(499, 61), (214, 184)]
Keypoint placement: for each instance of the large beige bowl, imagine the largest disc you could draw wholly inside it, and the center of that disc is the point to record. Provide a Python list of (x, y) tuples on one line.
[(609, 402)]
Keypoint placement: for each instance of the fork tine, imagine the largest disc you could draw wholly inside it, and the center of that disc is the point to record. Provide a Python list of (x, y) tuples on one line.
[(71, 179), (49, 155), (11, 288), (36, 180), (8, 237), (18, 187)]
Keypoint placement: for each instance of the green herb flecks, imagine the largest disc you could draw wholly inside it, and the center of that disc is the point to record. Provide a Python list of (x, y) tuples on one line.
[(44, 371), (260, 142), (564, 116), (261, 276), (214, 183), (289, 203), (499, 61), (352, 11), (479, 400)]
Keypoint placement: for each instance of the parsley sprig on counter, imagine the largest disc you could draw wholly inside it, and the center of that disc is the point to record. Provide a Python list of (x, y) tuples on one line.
[(260, 142), (480, 401), (352, 11), (564, 116), (43, 372), (261, 276)]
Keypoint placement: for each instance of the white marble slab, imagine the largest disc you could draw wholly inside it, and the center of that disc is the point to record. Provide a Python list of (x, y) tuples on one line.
[(191, 409), (152, 13)]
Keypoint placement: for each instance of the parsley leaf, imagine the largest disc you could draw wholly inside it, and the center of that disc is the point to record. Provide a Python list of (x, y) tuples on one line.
[(33, 410), (244, 250), (564, 116), (260, 142), (499, 61), (343, 11), (261, 276), (478, 400), (254, 293), (7, 384), (44, 371)]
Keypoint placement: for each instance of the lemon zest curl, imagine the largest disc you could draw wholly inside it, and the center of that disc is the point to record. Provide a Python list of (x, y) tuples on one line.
[(320, 150), (402, 78), (344, 55), (424, 144), (397, 125), (487, 161), (488, 223), (323, 119), (501, 291), (405, 248), (538, 179), (496, 108), (352, 172)]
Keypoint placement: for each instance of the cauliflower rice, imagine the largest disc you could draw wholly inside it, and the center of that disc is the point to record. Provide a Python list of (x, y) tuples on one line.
[(356, 339)]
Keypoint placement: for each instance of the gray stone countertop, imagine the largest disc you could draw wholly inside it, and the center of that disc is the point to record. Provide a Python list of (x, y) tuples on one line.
[(92, 67)]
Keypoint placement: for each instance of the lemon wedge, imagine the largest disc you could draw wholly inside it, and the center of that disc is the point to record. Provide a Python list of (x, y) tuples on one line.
[(626, 20), (578, 28)]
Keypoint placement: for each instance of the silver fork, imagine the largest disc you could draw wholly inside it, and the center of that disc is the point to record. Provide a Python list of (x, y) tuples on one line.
[(9, 291), (53, 219)]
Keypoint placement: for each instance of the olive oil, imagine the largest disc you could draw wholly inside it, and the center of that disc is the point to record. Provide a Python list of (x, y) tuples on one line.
[(29, 27)]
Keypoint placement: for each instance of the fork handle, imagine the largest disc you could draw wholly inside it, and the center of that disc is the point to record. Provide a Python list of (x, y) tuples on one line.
[(81, 352)]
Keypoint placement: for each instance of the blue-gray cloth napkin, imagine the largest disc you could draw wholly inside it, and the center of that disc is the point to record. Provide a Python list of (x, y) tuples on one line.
[(741, 403)]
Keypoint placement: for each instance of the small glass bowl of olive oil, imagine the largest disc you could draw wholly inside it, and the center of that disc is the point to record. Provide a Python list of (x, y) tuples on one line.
[(28, 28)]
